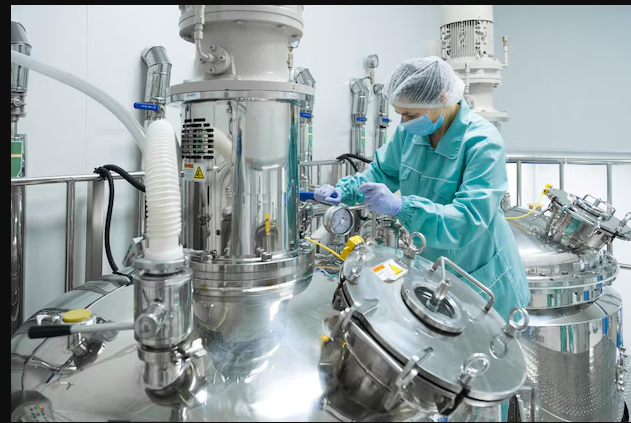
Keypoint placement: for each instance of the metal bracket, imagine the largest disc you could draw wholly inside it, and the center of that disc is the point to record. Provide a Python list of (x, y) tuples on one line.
[(345, 316), (407, 374)]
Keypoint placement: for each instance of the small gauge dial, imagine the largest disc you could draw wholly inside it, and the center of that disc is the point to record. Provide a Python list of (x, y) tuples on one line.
[(338, 220)]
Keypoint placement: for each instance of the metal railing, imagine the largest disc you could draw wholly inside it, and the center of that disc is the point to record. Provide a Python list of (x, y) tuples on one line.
[(95, 212), (95, 220), (561, 162), (519, 161)]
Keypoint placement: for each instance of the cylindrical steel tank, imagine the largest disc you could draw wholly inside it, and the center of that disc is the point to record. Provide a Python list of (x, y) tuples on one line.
[(573, 345), (240, 160), (408, 344)]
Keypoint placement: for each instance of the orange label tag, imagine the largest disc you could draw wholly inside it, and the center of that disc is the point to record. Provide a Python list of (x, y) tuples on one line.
[(378, 268)]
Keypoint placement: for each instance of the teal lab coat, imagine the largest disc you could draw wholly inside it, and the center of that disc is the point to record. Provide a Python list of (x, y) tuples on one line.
[(452, 194)]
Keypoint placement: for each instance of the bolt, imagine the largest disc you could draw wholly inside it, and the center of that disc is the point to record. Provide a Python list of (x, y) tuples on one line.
[(211, 48), (211, 70), (222, 58)]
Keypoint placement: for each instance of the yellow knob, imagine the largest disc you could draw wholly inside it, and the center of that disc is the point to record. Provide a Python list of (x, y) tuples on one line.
[(77, 315)]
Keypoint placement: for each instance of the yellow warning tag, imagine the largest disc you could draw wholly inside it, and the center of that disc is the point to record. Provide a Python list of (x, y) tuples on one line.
[(396, 269), (389, 270), (199, 174)]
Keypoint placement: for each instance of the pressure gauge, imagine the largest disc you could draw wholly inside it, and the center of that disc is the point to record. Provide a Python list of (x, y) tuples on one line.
[(338, 220)]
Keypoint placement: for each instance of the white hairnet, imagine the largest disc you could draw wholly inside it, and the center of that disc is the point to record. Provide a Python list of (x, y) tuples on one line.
[(424, 83)]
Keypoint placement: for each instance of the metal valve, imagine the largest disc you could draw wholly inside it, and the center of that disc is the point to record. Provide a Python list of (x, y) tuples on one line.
[(150, 321)]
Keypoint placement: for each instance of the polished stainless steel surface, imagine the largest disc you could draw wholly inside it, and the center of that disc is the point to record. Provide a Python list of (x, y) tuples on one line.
[(19, 74), (575, 330), (241, 219), (69, 262), (19, 42), (561, 161), (384, 230), (439, 335), (382, 120), (263, 180), (163, 306), (95, 222), (17, 256), (559, 276), (626, 373), (163, 322), (577, 348), (278, 375), (19, 85), (306, 149), (158, 79), (585, 222), (303, 76), (360, 95)]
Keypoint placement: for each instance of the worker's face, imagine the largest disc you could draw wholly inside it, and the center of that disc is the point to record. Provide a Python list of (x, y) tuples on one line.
[(409, 114)]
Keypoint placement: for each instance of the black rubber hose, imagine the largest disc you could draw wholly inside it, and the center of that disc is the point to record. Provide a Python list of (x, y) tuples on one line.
[(358, 157), (349, 160), (105, 174), (122, 172)]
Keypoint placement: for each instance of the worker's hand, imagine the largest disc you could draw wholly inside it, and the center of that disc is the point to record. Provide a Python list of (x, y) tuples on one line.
[(327, 194), (380, 199)]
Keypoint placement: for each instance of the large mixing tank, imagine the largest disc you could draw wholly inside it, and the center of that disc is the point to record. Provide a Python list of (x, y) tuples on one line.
[(240, 190), (573, 345), (408, 344)]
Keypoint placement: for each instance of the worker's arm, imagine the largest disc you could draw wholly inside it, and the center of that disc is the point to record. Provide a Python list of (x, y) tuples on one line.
[(455, 225), (383, 169)]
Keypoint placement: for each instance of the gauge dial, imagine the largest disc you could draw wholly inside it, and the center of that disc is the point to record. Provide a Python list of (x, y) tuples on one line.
[(338, 220)]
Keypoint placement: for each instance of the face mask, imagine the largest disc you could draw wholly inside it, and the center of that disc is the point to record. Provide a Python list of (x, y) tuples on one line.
[(422, 125)]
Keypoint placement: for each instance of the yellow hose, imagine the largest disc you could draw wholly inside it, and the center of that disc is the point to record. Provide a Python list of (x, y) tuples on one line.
[(544, 192), (325, 247), (520, 227), (328, 267)]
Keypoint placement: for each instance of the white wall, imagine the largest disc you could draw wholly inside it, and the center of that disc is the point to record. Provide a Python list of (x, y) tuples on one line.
[(568, 80), (71, 134), (565, 91)]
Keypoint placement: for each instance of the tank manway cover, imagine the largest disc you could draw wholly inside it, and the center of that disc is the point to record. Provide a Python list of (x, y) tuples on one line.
[(454, 326)]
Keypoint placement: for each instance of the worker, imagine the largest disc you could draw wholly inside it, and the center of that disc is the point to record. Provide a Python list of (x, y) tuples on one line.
[(449, 164)]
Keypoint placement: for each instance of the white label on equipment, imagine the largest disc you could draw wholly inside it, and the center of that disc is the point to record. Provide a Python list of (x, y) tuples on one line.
[(389, 270), (194, 171)]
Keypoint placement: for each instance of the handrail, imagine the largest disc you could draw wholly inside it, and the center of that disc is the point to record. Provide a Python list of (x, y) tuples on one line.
[(43, 180), (95, 203), (555, 160)]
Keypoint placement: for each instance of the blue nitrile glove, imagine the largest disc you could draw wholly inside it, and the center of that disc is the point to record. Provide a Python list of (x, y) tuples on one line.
[(327, 194), (380, 199)]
